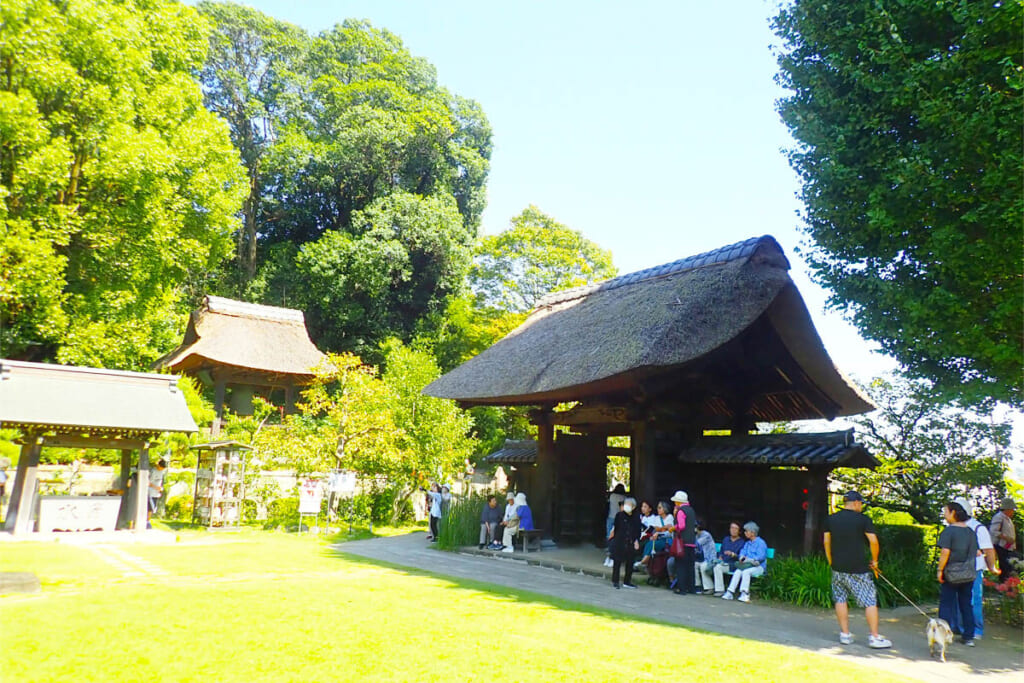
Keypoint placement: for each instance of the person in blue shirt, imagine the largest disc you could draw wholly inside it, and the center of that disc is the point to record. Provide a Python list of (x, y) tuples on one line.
[(752, 561), (523, 519)]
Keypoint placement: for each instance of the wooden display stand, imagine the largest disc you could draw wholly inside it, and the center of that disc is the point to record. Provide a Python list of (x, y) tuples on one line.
[(220, 484)]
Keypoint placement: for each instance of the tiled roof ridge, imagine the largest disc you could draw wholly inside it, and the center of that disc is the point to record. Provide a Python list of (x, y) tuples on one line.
[(730, 252)]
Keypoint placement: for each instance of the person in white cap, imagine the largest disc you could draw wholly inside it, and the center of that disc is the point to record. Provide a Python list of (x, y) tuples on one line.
[(1004, 536), (686, 529), (986, 559)]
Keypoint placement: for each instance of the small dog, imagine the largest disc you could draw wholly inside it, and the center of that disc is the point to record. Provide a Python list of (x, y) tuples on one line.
[(940, 636)]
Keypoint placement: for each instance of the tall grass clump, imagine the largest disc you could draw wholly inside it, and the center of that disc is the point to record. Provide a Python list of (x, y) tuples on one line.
[(460, 526)]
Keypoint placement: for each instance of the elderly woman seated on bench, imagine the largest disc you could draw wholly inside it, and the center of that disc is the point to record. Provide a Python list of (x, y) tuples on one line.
[(523, 520), (752, 562)]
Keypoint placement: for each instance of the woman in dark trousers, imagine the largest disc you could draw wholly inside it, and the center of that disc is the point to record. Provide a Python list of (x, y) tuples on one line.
[(624, 541), (957, 544)]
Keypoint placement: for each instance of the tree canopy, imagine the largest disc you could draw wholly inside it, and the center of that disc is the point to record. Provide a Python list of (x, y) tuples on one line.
[(929, 452), (535, 256), (358, 161), (117, 188), (908, 122)]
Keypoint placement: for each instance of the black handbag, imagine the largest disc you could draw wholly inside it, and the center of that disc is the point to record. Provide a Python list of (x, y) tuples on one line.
[(960, 572)]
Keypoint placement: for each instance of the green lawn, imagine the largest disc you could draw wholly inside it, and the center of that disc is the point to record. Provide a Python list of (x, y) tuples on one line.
[(259, 606)]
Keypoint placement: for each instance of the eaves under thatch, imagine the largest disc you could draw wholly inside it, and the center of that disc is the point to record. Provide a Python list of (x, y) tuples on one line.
[(822, 450), (43, 397), (593, 341), (246, 337)]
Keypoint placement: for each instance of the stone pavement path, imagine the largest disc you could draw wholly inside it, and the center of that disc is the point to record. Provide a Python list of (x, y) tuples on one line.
[(998, 657)]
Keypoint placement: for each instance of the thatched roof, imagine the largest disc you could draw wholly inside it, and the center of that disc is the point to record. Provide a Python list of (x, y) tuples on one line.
[(728, 318), (250, 337), (44, 397)]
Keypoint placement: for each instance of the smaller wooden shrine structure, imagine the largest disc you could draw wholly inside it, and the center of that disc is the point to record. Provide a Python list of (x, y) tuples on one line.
[(220, 484), (242, 349), (76, 407)]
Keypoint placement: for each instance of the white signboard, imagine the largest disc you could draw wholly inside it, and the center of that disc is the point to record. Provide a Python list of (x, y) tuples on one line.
[(78, 513), (310, 495)]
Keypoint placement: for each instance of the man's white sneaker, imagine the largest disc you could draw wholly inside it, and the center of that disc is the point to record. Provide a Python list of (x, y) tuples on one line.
[(879, 642), (728, 596), (507, 549), (744, 597), (846, 638)]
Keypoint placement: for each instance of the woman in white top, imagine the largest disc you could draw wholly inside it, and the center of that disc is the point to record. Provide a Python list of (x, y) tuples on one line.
[(661, 525)]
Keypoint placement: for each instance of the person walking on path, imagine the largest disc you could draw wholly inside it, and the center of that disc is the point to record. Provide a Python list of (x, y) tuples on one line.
[(624, 541), (846, 533), (986, 560), (434, 501), (1004, 536)]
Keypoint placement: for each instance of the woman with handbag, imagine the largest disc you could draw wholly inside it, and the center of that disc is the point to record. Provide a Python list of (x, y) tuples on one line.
[(958, 549)]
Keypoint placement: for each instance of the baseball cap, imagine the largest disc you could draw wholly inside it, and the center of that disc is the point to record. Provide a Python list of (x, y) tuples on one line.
[(853, 497)]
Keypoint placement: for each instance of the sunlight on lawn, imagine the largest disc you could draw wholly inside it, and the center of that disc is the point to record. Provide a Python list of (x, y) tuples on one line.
[(258, 606)]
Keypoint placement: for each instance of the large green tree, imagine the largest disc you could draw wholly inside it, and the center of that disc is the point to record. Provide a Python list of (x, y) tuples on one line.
[(116, 185), (535, 256), (908, 121), (252, 80), (364, 144), (930, 452)]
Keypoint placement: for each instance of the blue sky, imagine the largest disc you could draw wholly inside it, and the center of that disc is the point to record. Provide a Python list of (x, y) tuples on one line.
[(649, 128)]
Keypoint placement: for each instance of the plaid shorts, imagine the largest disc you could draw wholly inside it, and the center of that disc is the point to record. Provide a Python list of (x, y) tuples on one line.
[(860, 585)]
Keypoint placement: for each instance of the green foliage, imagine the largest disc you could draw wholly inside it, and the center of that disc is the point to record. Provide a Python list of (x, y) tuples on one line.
[(909, 128), (537, 255), (116, 186), (179, 508), (807, 581), (366, 178), (461, 525), (882, 516), (929, 452), (402, 256), (283, 512)]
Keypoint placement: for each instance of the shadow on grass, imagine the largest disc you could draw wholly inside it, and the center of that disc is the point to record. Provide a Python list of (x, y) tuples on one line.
[(911, 645)]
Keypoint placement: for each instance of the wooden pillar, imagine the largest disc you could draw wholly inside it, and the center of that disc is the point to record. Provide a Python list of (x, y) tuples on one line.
[(544, 479), (816, 484), (642, 481), (139, 514), (289, 399), (126, 467), (19, 512), (218, 406)]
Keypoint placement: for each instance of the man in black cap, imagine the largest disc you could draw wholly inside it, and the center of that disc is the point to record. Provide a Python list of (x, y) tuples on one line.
[(846, 533)]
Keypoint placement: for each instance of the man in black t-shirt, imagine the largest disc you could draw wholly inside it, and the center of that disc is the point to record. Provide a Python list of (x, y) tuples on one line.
[(846, 534)]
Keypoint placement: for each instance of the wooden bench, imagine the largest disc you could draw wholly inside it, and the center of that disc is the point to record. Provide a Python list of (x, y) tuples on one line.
[(530, 539)]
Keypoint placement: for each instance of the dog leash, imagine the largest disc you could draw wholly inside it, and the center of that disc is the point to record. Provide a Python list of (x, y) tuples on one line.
[(903, 594)]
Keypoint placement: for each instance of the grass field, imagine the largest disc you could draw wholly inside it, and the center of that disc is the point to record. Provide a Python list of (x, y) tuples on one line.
[(262, 606)]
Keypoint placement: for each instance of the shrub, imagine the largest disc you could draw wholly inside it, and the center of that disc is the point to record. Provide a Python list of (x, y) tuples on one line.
[(913, 540), (807, 581), (282, 512), (461, 525), (179, 508)]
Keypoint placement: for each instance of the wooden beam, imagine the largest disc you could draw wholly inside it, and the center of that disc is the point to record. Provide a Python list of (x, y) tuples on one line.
[(126, 469), (642, 468), (591, 415), (218, 406), (19, 512), (76, 441)]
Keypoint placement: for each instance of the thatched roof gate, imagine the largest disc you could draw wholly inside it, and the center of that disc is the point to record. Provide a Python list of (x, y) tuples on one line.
[(717, 341)]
